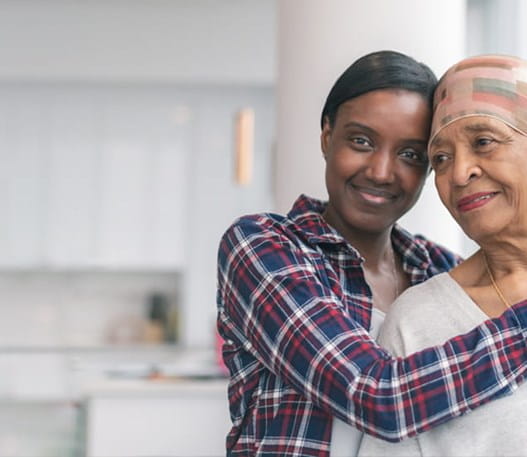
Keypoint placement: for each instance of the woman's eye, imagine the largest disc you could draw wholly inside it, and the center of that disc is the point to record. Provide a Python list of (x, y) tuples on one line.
[(361, 142), (413, 156), (438, 160), (483, 141)]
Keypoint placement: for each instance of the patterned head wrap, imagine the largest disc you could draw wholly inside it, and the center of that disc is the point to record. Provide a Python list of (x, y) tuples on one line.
[(489, 85)]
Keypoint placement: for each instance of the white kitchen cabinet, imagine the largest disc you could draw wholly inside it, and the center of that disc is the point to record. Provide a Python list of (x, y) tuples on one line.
[(135, 177), (92, 176), (144, 182), (71, 170), (22, 183), (41, 428), (141, 419)]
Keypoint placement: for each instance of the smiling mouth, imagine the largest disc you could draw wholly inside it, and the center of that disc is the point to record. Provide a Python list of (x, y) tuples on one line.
[(374, 195), (475, 200)]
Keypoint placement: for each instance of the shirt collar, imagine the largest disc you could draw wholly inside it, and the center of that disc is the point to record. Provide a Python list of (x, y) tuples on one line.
[(411, 248), (306, 214)]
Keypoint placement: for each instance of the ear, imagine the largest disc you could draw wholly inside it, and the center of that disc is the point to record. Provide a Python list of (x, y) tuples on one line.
[(325, 137)]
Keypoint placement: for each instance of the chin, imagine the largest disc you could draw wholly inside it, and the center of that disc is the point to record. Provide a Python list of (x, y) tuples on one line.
[(368, 221), (480, 234)]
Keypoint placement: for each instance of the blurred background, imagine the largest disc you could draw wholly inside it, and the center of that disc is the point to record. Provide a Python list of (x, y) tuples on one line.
[(132, 133)]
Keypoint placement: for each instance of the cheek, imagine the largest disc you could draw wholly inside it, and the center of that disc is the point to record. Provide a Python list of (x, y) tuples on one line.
[(343, 163), (414, 180), (519, 195), (334, 172), (443, 189)]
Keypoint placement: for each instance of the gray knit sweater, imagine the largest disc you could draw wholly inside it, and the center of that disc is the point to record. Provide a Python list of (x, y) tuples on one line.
[(427, 315)]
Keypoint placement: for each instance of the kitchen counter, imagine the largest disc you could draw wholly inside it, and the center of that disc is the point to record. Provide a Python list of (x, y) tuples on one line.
[(169, 386), (170, 417), (114, 401)]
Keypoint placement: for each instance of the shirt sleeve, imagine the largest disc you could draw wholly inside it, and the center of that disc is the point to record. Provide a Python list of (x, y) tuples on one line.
[(284, 313), (394, 336)]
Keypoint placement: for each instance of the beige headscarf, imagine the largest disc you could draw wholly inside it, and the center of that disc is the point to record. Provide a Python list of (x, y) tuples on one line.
[(488, 85)]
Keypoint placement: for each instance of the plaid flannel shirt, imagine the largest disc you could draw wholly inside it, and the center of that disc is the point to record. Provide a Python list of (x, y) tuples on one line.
[(294, 309)]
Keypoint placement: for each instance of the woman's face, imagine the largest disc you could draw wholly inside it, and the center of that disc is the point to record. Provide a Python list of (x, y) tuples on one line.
[(480, 166), (376, 161)]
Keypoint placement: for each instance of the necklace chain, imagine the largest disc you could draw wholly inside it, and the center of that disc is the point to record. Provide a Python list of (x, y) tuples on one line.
[(494, 283), (394, 272)]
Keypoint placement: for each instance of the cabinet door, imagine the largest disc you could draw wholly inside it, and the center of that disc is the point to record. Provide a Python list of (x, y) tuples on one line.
[(191, 421), (126, 182), (170, 189), (143, 184), (92, 176), (72, 187), (22, 179)]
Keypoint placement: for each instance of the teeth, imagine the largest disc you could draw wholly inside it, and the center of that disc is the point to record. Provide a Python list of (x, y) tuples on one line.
[(484, 197), (376, 193)]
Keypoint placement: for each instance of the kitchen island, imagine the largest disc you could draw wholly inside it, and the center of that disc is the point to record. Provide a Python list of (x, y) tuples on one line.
[(158, 417)]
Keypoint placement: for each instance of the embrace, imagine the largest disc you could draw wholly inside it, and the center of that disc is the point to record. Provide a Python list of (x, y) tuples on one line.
[(345, 334)]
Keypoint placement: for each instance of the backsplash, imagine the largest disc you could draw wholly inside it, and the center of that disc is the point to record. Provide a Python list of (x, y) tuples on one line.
[(81, 309)]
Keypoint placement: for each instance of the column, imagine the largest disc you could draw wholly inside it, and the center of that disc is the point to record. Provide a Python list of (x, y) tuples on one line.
[(317, 40)]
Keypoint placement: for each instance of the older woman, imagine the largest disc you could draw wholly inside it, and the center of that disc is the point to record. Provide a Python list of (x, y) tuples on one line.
[(478, 149)]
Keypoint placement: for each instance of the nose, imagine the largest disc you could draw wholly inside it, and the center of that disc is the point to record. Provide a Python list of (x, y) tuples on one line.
[(465, 168), (380, 167)]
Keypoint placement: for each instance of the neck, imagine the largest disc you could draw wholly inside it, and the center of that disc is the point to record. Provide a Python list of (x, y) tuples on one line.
[(505, 257), (382, 268), (375, 247), (495, 277)]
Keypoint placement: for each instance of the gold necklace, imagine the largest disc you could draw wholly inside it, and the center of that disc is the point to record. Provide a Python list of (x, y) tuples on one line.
[(494, 284)]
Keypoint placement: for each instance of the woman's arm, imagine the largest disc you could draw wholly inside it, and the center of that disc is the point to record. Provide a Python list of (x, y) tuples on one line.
[(275, 304)]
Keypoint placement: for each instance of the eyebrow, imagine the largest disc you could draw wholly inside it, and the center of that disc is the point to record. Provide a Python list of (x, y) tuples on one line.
[(374, 132), (359, 125), (476, 128)]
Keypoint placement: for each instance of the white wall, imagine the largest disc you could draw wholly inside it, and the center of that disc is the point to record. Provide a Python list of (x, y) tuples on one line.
[(317, 41), (216, 200), (227, 41), (497, 26)]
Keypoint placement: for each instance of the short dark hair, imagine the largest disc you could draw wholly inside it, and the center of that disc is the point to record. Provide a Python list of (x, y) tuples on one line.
[(379, 70)]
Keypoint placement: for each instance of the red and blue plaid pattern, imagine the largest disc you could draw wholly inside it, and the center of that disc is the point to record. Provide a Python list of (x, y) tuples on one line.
[(293, 308)]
